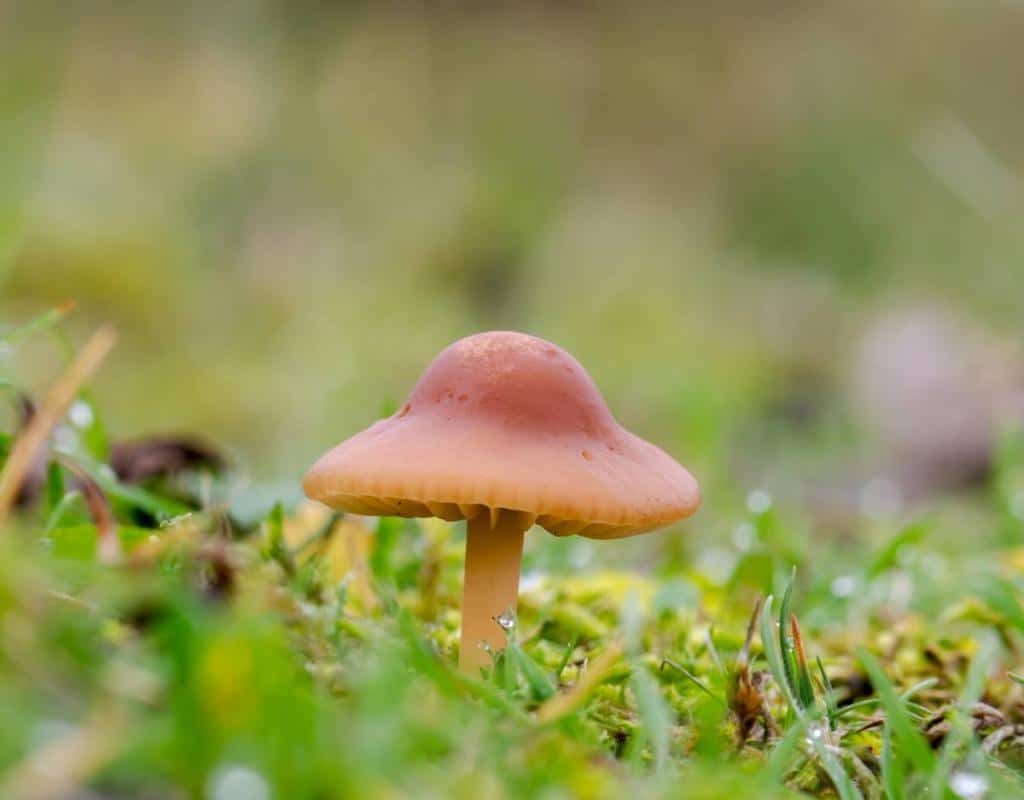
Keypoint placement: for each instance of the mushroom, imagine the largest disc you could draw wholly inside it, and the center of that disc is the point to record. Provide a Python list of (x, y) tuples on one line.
[(504, 430)]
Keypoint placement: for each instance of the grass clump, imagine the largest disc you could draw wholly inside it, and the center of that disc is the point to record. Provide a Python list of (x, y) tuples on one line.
[(161, 639)]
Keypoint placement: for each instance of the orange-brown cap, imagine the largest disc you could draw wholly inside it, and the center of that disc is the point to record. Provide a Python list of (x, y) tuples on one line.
[(505, 422)]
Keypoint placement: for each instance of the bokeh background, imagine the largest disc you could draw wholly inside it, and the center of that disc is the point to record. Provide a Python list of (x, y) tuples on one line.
[(785, 239)]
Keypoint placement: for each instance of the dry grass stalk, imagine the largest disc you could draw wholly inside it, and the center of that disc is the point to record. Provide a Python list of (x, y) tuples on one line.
[(59, 768), (55, 405)]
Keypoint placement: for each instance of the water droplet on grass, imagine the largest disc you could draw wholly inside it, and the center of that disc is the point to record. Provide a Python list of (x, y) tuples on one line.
[(815, 733), (968, 785), (81, 415), (507, 619)]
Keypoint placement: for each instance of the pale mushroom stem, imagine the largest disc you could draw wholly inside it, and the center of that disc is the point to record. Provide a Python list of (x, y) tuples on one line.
[(491, 585)]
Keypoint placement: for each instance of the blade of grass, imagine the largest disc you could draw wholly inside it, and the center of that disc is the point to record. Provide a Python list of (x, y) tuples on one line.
[(1001, 596), (773, 656), (862, 776), (384, 540), (54, 486), (904, 696), (960, 728), (780, 761), (163, 508), (692, 678), (713, 651), (536, 679), (322, 534), (892, 773), (889, 555), (45, 320), (920, 686), (804, 686), (448, 679), (277, 550), (785, 644), (655, 716), (845, 786), (829, 694), (908, 737), (566, 656), (56, 517), (561, 705), (54, 406)]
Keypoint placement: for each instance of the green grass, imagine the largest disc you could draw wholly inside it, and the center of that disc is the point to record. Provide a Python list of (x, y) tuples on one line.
[(312, 655)]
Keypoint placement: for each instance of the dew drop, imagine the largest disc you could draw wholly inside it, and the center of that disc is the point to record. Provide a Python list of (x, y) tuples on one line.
[(815, 733), (507, 619), (81, 415), (968, 785)]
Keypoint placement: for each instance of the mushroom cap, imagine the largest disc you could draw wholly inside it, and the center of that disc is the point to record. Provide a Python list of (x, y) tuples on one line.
[(506, 423)]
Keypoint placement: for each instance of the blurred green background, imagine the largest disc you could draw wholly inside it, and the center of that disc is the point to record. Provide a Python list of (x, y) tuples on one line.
[(784, 238), (288, 208)]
